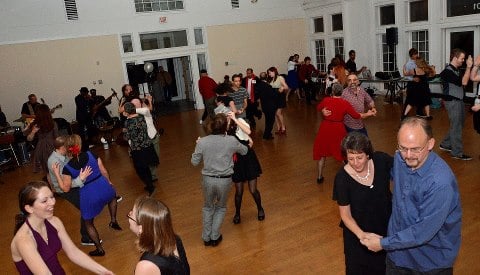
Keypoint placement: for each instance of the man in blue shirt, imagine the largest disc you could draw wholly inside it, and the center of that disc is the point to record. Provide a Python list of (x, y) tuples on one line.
[(424, 228)]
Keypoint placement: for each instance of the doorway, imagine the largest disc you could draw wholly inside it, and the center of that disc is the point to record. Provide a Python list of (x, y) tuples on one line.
[(465, 39)]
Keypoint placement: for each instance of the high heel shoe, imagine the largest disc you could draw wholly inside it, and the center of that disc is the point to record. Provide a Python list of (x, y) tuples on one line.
[(261, 215), (97, 253), (237, 219), (283, 132), (114, 225)]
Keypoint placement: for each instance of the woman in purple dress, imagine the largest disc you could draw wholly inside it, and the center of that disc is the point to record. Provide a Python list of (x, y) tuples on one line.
[(39, 235)]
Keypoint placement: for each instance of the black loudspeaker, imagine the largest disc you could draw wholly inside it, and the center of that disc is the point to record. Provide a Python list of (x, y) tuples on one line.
[(392, 36)]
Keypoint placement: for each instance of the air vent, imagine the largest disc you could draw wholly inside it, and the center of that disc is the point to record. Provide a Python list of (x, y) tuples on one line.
[(71, 9), (235, 4)]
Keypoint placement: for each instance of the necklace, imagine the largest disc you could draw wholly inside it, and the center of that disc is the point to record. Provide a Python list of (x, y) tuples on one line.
[(364, 178)]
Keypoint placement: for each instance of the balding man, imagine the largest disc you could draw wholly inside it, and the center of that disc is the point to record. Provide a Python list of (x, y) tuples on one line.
[(424, 231)]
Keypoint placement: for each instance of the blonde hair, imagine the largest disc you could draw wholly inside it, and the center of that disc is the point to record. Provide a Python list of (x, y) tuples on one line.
[(422, 64)]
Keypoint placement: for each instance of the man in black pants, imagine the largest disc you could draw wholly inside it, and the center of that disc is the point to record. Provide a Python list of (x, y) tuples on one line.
[(266, 94)]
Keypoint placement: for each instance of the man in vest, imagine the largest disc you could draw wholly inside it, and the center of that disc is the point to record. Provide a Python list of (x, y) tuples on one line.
[(453, 97)]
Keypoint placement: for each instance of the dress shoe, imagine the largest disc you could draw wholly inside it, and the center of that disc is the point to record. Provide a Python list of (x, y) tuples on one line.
[(97, 253), (261, 215), (320, 180), (236, 219), (114, 225), (207, 243), (217, 241)]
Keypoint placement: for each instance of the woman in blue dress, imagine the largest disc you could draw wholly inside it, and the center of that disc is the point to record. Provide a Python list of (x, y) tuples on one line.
[(96, 192)]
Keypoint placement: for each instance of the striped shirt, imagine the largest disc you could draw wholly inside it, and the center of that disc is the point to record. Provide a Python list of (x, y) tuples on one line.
[(358, 101)]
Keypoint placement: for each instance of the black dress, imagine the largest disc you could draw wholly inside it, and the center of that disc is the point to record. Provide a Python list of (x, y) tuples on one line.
[(246, 167), (418, 93), (370, 208), (170, 265)]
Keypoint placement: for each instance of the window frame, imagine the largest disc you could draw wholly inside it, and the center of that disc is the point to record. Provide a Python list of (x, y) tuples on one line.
[(321, 59), (409, 12), (315, 25), (157, 3)]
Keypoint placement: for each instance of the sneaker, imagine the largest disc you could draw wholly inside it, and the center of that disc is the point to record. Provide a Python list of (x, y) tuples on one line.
[(462, 157), (89, 242), (119, 198), (446, 149), (201, 122)]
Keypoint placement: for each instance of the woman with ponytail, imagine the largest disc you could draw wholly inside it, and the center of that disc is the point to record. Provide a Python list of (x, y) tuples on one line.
[(39, 235)]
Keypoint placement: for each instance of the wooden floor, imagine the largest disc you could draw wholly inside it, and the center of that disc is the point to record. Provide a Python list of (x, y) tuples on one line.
[(300, 234)]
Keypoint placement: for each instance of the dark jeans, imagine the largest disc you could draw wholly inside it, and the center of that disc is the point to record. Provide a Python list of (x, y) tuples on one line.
[(392, 269), (73, 196), (252, 111)]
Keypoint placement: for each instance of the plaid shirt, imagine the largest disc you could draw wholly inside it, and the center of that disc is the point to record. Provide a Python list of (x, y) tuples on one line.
[(358, 101)]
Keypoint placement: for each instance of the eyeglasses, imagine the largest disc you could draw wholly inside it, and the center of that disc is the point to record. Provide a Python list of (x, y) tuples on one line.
[(134, 220), (415, 150)]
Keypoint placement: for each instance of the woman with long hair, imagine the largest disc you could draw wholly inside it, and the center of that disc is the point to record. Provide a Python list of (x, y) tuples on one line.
[(39, 235), (280, 86), (162, 250), (44, 129), (96, 192), (418, 93)]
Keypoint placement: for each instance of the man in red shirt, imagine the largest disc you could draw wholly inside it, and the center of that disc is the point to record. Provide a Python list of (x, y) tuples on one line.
[(207, 86), (305, 76)]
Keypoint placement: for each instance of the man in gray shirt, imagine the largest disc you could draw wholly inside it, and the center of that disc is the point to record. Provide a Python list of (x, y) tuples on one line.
[(217, 150), (239, 96)]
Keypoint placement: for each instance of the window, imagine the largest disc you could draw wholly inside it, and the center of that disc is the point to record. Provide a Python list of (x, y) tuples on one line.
[(158, 5), (337, 22), (202, 61), (320, 55), (162, 40), (127, 43), (198, 32), (389, 55), (235, 4), (71, 9), (462, 7), (387, 15), (318, 24), (419, 11), (420, 42), (338, 46)]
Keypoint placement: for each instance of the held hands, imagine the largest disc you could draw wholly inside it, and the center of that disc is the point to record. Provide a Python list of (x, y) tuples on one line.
[(326, 112), (371, 241), (231, 115)]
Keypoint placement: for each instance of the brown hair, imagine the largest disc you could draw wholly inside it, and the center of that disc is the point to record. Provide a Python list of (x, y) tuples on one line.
[(422, 64), (43, 118), (59, 142), (71, 141), (157, 235), (27, 196), (356, 142), (218, 125)]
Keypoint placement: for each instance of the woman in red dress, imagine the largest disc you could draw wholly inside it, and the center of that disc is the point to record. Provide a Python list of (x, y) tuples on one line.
[(332, 130)]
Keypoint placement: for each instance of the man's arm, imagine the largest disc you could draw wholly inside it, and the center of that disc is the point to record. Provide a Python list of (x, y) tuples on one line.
[(197, 154), (474, 76), (466, 76), (434, 211)]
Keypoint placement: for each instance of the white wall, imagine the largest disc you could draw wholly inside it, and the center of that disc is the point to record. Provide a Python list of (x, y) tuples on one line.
[(32, 20)]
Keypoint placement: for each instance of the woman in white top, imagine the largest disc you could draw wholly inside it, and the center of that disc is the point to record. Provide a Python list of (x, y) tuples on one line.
[(280, 86)]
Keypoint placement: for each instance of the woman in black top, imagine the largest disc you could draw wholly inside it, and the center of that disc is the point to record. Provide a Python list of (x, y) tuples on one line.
[(150, 220), (362, 191)]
